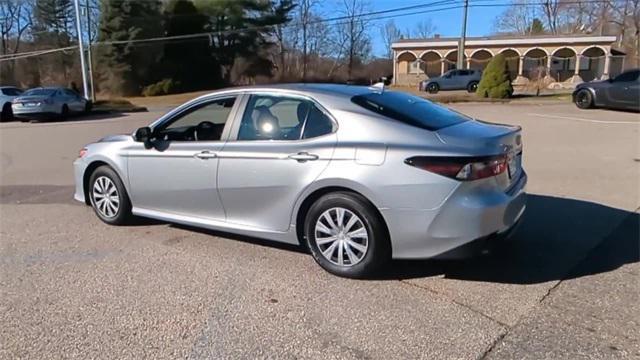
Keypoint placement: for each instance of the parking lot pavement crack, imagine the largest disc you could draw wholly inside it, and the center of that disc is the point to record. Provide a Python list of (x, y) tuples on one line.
[(454, 301)]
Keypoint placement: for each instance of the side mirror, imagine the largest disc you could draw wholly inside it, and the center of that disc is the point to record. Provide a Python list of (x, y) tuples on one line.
[(143, 134)]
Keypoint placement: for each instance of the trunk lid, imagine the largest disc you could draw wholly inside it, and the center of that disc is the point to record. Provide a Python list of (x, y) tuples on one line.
[(481, 138)]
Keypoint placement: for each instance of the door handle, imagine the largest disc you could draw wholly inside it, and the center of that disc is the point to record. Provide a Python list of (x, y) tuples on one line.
[(206, 155), (303, 156)]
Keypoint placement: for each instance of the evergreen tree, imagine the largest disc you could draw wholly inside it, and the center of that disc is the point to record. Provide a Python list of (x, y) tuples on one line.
[(188, 63), (125, 68), (243, 29), (495, 82), (537, 27)]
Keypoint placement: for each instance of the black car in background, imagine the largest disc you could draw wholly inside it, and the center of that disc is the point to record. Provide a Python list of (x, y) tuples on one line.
[(621, 92)]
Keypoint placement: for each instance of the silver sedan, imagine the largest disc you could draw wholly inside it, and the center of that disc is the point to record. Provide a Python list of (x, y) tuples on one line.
[(359, 175), (48, 103)]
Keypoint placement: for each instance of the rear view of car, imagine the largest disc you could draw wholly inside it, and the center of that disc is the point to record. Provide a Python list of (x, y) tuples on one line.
[(48, 103), (7, 94)]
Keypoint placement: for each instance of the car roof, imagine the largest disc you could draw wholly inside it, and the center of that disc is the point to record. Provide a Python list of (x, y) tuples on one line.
[(336, 90)]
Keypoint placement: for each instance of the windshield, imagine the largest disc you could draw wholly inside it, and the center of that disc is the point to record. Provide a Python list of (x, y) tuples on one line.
[(44, 92), (410, 109)]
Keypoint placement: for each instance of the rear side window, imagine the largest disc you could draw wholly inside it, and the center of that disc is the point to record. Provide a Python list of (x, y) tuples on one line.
[(409, 109), (11, 91), (628, 76)]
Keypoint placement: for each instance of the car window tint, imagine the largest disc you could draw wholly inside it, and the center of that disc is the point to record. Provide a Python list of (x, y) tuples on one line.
[(317, 123), (11, 91), (628, 76), (409, 109), (216, 112), (269, 117), (463, 73), (36, 92)]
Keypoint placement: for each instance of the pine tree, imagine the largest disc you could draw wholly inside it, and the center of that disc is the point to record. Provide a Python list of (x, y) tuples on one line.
[(124, 68), (495, 82)]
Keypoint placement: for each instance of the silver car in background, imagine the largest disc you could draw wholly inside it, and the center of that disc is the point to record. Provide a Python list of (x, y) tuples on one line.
[(49, 103), (7, 94), (359, 175)]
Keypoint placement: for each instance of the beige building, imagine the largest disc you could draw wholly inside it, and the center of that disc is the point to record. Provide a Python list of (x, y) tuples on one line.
[(563, 60)]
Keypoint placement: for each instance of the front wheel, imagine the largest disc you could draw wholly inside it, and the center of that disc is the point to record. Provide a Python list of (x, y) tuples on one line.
[(346, 236), (584, 99), (472, 87), (108, 197), (433, 88)]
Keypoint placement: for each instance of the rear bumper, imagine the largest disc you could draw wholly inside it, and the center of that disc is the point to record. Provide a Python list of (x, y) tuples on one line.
[(473, 213), (43, 111)]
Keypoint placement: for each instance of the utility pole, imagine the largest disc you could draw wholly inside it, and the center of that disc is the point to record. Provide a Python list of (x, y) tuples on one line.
[(93, 89), (460, 63), (85, 87)]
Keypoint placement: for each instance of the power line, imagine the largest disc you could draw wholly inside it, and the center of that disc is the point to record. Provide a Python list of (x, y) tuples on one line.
[(386, 14)]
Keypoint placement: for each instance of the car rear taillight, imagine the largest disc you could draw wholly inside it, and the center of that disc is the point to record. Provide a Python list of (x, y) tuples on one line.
[(461, 168)]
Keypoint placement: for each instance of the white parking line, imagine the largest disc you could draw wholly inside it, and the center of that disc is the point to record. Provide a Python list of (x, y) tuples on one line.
[(585, 120)]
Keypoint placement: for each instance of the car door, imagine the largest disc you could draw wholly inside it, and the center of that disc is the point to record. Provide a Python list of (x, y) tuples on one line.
[(71, 99), (278, 147), (623, 90), (449, 79), (176, 173)]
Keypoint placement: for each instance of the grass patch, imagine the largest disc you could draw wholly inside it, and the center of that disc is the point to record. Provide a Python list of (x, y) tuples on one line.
[(117, 105)]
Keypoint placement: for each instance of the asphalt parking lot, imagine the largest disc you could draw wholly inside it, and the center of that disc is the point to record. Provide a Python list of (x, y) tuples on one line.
[(565, 287)]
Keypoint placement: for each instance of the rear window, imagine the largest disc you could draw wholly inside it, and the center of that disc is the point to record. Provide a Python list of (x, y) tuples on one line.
[(409, 109), (45, 92)]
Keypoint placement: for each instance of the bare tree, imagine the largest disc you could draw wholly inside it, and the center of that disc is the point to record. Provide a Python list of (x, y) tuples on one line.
[(424, 29), (516, 19), (551, 10), (353, 33), (15, 21), (390, 34)]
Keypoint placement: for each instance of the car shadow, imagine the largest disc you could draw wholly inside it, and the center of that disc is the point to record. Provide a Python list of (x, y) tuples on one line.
[(97, 115), (558, 239)]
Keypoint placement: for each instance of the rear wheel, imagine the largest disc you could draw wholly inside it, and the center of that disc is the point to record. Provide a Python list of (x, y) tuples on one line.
[(472, 87), (108, 197), (7, 113), (346, 236), (433, 88), (584, 99)]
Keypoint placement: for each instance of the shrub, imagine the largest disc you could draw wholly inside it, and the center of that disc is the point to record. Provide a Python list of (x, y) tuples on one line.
[(162, 87), (495, 82)]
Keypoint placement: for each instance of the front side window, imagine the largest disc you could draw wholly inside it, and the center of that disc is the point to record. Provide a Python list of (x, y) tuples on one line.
[(201, 123), (409, 109), (269, 117), (628, 76)]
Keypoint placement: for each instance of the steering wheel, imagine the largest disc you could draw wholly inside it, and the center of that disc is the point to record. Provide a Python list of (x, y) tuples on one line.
[(206, 130)]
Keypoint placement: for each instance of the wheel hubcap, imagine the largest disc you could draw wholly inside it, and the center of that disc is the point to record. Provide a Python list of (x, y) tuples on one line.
[(105, 197), (341, 237)]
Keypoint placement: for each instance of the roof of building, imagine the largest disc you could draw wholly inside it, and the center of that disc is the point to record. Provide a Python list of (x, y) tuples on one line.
[(507, 40)]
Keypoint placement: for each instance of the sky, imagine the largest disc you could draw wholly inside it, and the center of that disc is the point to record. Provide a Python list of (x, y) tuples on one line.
[(448, 23)]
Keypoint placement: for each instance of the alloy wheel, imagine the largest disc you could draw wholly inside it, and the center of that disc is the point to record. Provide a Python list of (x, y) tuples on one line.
[(105, 197), (341, 237)]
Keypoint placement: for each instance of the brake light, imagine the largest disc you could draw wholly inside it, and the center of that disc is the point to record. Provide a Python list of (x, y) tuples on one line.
[(82, 152), (461, 168)]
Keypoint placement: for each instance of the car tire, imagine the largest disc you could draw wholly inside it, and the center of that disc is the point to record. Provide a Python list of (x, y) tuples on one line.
[(472, 87), (7, 113), (115, 209), (433, 88), (355, 244), (64, 112), (584, 99)]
